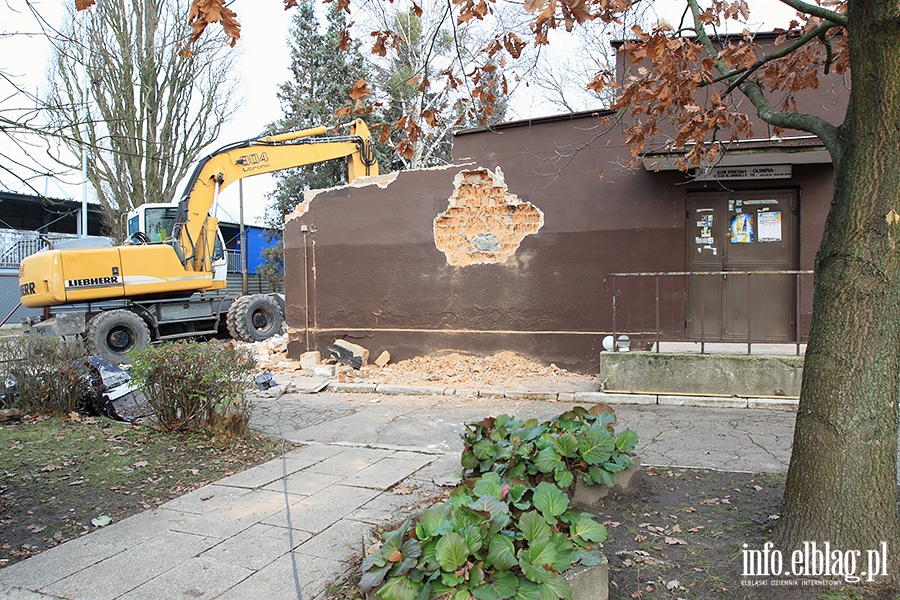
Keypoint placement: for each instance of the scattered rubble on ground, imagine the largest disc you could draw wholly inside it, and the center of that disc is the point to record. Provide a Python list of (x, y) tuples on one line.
[(504, 370)]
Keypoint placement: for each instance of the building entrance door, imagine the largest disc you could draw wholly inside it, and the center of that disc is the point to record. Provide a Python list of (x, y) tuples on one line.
[(742, 237)]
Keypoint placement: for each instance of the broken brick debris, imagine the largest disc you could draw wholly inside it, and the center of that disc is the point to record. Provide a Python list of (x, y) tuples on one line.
[(383, 359), (349, 353)]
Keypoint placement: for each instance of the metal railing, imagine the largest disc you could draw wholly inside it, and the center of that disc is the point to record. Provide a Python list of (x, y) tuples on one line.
[(681, 307), (16, 245)]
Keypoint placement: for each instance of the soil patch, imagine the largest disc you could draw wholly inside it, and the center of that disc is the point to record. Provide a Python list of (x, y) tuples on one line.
[(63, 477), (679, 534)]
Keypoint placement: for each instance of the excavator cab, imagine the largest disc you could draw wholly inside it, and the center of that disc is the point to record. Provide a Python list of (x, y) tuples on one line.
[(156, 224)]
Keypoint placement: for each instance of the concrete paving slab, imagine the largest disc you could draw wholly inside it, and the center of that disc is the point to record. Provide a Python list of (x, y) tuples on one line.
[(785, 404), (304, 483), (230, 518), (273, 470), (349, 462), (319, 511), (59, 562), (256, 546), (389, 471), (343, 538), (196, 577), (707, 401), (392, 507), (619, 398), (127, 570), (276, 580)]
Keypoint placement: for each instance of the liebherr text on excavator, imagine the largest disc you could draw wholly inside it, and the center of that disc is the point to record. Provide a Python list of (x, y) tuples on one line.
[(167, 281)]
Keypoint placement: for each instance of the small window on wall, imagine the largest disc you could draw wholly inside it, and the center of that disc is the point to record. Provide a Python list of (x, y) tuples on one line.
[(754, 221)]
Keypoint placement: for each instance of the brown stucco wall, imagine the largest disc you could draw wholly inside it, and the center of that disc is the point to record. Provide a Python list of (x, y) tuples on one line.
[(367, 267)]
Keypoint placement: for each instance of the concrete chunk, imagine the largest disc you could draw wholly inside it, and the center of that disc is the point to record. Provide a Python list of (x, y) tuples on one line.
[(349, 353), (383, 359)]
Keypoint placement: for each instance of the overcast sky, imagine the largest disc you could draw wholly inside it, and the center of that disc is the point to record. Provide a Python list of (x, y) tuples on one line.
[(263, 62)]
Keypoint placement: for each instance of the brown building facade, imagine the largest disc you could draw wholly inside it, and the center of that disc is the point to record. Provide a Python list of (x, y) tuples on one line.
[(513, 247)]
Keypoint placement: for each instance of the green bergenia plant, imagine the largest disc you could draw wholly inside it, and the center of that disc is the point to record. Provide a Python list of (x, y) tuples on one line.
[(580, 442), (509, 531), (479, 545)]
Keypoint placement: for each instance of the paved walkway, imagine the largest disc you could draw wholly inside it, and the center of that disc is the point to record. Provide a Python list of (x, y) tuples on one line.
[(369, 459)]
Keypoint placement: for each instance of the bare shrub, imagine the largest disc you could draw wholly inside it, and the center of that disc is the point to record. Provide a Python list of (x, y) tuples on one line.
[(43, 375)]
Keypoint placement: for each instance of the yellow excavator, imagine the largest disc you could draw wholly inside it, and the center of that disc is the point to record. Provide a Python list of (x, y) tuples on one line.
[(168, 280)]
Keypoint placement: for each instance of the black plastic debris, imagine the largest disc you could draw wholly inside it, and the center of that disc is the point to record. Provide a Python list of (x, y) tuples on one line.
[(265, 381)]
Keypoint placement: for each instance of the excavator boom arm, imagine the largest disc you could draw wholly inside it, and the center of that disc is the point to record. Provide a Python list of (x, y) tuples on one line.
[(265, 154)]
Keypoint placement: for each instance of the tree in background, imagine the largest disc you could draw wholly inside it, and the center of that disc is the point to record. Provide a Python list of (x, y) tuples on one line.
[(127, 90), (842, 481), (322, 75), (419, 81)]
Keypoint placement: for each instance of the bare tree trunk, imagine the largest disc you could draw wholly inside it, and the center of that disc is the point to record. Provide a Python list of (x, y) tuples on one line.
[(842, 481)]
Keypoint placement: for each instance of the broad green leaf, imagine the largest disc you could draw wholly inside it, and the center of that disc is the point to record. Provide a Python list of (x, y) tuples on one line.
[(612, 466), (485, 449), (589, 530), (463, 516), (451, 551), (626, 440), (434, 522), (588, 558), (461, 594), (373, 577), (602, 477), (451, 580), (605, 419), (596, 445), (533, 526), (547, 460), (532, 560), (469, 460), (564, 478), (472, 536), (488, 485), (566, 445), (502, 585), (517, 496), (528, 590), (564, 551), (556, 588), (400, 588), (550, 500), (501, 553), (623, 460)]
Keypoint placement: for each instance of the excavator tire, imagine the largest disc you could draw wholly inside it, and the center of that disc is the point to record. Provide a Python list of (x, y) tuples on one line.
[(254, 318), (113, 334)]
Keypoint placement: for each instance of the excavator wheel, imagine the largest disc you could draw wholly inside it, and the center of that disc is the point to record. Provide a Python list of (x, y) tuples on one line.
[(254, 318), (113, 334)]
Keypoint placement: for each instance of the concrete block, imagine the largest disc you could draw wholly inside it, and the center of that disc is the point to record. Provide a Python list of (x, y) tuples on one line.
[(349, 353), (787, 404), (566, 396), (308, 360), (323, 370), (492, 394), (531, 395), (589, 583), (356, 388), (409, 390), (729, 374), (590, 495), (628, 398), (702, 401), (589, 397), (383, 359), (465, 392)]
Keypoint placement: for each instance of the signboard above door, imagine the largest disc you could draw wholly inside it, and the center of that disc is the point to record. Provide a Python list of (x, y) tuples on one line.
[(745, 172)]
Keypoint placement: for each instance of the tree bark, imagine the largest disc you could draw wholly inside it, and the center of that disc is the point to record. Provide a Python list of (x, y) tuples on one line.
[(842, 481)]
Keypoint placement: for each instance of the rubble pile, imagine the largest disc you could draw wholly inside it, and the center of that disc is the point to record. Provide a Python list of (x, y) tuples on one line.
[(271, 355), (504, 369)]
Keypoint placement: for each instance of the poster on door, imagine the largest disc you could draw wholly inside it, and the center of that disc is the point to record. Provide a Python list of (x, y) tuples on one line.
[(742, 228), (769, 224)]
